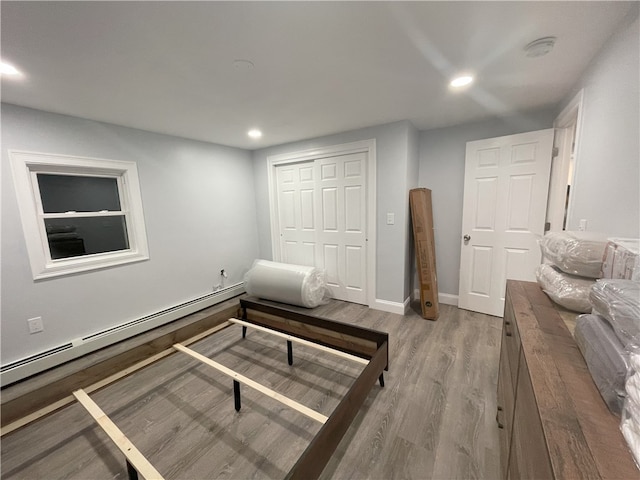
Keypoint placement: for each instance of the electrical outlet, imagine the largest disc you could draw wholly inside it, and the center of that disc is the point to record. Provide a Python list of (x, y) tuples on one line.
[(583, 225), (35, 325)]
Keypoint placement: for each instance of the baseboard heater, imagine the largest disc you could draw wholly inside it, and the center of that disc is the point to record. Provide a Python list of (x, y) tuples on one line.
[(39, 362)]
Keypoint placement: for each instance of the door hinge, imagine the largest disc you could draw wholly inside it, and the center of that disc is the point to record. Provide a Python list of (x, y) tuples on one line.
[(555, 152), (547, 226)]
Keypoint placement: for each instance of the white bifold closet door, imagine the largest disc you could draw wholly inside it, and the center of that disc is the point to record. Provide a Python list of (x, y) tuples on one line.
[(322, 220)]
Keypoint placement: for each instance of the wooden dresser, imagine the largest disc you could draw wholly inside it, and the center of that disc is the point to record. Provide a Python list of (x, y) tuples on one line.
[(553, 422)]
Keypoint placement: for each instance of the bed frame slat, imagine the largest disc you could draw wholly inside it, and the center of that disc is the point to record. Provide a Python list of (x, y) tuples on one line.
[(301, 341), (133, 455), (253, 384)]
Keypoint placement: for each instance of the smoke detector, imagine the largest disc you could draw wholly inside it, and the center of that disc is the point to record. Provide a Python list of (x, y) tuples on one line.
[(244, 65), (540, 47)]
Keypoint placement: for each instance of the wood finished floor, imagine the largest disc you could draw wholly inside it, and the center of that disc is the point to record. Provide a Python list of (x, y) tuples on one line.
[(435, 418)]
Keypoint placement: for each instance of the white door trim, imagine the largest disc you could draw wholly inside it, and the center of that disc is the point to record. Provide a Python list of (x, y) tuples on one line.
[(569, 116), (365, 146)]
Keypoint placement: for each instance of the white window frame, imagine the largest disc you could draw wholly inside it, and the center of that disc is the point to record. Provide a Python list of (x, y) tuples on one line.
[(25, 167)]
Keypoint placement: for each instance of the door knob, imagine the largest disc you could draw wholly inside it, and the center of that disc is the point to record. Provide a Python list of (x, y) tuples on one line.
[(466, 238)]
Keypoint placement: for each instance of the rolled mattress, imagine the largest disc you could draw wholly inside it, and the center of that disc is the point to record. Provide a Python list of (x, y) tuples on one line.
[(282, 282)]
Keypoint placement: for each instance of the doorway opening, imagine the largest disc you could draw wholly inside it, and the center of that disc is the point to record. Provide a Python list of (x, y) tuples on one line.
[(564, 165)]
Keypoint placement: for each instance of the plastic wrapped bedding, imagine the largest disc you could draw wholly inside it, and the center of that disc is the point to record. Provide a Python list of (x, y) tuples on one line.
[(618, 301), (622, 259), (605, 357), (634, 363), (630, 424), (282, 282), (631, 433), (632, 408), (576, 253), (633, 391), (567, 290)]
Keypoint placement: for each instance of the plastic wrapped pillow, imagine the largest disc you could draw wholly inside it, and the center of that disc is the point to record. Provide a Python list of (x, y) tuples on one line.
[(618, 301), (576, 253), (281, 282), (567, 290)]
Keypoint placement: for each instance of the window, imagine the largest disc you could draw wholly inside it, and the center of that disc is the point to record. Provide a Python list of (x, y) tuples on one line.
[(78, 213)]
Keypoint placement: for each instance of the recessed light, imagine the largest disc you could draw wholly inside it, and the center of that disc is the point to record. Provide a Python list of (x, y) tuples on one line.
[(461, 81), (254, 133), (7, 69)]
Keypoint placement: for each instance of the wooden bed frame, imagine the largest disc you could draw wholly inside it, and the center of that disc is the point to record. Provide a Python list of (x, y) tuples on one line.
[(358, 344)]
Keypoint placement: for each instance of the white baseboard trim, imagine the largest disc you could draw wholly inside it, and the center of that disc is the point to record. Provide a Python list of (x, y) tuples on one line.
[(39, 362), (445, 298), (391, 307), (448, 299), (407, 304)]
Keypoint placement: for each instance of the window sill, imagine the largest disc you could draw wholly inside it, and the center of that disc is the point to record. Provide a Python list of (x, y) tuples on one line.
[(58, 268)]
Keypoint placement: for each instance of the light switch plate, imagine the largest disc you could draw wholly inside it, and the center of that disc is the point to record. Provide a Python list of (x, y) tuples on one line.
[(391, 218)]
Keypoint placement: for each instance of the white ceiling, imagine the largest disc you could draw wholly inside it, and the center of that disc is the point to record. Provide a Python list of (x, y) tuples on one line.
[(320, 67)]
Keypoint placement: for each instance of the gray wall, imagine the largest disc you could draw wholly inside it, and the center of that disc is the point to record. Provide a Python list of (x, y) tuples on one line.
[(606, 189), (442, 154), (392, 196), (199, 210)]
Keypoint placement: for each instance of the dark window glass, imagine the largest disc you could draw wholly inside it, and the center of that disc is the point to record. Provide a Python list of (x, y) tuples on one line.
[(73, 237), (66, 193)]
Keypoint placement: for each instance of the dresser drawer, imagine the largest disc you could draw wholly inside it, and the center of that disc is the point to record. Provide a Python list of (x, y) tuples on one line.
[(511, 343), (504, 415)]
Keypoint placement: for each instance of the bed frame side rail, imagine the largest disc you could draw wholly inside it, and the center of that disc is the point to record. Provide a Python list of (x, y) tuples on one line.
[(352, 339)]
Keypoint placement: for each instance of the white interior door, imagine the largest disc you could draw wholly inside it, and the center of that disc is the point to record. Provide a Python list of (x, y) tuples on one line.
[(505, 200), (322, 220)]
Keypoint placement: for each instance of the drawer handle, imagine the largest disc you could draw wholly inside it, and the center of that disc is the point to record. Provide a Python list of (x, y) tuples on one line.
[(508, 334), (499, 408), (500, 425)]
